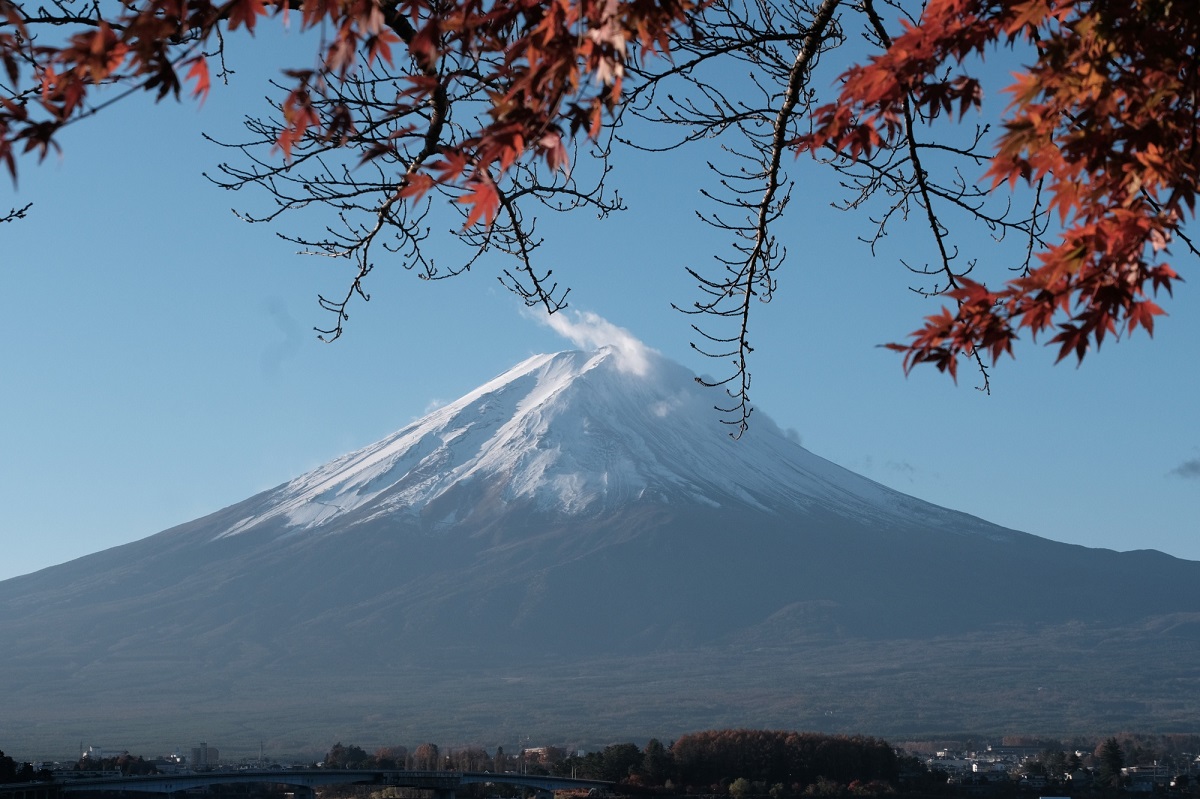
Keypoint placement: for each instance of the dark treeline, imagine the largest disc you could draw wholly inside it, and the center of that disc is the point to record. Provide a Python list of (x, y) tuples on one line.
[(746, 762), (787, 757), (12, 771), (788, 761), (426, 757), (125, 763)]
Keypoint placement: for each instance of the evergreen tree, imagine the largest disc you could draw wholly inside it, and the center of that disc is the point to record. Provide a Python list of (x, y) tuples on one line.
[(1112, 760), (656, 762)]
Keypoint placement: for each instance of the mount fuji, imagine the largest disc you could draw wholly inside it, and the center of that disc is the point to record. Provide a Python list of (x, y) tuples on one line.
[(579, 435), (577, 551)]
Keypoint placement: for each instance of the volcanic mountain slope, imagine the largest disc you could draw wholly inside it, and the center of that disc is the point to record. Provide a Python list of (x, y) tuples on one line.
[(582, 518)]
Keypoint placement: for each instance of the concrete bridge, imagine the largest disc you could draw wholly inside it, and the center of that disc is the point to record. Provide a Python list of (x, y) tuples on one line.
[(444, 784)]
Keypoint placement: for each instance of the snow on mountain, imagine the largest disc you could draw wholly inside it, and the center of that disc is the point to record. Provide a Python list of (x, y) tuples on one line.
[(583, 433)]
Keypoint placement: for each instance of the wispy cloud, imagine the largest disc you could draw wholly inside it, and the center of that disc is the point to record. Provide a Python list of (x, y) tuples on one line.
[(1189, 469), (590, 331)]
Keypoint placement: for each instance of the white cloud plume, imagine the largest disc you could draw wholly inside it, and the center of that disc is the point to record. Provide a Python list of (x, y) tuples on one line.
[(590, 331)]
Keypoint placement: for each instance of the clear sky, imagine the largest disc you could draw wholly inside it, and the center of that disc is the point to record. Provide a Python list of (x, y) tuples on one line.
[(159, 362)]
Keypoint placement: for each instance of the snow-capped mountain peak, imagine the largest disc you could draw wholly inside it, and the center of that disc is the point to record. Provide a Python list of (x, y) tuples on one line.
[(576, 433)]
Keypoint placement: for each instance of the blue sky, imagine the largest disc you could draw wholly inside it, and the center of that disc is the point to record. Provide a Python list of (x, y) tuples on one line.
[(160, 362)]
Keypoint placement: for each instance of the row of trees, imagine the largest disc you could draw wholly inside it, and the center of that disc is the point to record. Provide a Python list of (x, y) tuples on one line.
[(12, 771), (790, 760), (426, 757), (125, 763), (787, 757)]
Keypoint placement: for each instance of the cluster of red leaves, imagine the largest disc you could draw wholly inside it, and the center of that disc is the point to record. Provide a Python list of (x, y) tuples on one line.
[(562, 67), (1107, 116), (558, 68), (141, 46)]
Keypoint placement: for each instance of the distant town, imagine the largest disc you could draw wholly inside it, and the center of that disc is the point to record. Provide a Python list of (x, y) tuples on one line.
[(738, 764)]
